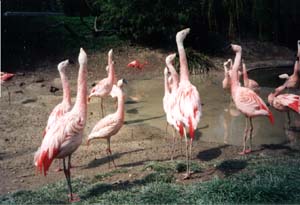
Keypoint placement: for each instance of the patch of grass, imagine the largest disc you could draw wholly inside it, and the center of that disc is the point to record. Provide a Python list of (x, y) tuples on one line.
[(270, 181), (110, 174)]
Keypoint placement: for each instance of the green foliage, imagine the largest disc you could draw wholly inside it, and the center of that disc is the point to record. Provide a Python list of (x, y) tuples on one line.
[(265, 180)]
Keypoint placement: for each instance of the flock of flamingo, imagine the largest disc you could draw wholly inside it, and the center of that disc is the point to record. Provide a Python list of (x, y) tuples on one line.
[(181, 102)]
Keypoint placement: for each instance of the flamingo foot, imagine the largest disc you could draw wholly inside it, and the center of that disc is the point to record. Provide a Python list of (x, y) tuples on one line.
[(58, 169), (186, 176), (73, 198), (247, 151), (242, 153)]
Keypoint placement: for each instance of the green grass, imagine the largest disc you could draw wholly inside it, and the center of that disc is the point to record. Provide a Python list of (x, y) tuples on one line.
[(263, 180)]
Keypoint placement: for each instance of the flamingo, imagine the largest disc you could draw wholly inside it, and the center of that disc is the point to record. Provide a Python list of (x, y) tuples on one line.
[(112, 123), (3, 78), (293, 80), (249, 83), (246, 100), (171, 86), (65, 106), (226, 81), (187, 111), (65, 135), (103, 87), (137, 64), (285, 103)]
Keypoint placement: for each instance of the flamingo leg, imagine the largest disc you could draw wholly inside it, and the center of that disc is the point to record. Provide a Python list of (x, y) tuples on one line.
[(166, 130), (187, 175), (173, 145), (72, 197), (8, 92), (102, 108), (108, 152), (250, 135), (245, 137), (289, 118)]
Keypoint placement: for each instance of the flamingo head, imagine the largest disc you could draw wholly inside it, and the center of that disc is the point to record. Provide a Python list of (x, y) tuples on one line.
[(92, 94), (180, 36), (62, 65), (82, 58), (110, 56), (117, 89), (284, 76), (170, 59), (236, 48)]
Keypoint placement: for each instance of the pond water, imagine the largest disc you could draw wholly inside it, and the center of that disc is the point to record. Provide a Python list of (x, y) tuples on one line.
[(220, 122)]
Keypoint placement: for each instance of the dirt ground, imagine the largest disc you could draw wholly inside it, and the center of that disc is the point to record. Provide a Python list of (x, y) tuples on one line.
[(22, 122)]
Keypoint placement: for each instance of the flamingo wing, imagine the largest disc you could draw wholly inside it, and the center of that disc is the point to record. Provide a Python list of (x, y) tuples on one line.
[(102, 88), (59, 134), (290, 100), (249, 103), (106, 127)]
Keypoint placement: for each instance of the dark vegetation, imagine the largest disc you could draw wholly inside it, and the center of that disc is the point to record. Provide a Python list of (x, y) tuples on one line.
[(26, 39)]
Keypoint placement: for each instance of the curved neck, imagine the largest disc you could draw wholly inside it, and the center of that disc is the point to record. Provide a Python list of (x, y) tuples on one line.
[(81, 98), (174, 75), (234, 74), (66, 87), (167, 86)]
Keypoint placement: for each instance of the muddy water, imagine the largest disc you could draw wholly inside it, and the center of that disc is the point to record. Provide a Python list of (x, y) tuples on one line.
[(221, 122)]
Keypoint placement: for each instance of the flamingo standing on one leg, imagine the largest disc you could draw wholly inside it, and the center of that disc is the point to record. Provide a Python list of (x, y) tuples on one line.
[(246, 100), (188, 105), (110, 124), (65, 135), (249, 83), (103, 87)]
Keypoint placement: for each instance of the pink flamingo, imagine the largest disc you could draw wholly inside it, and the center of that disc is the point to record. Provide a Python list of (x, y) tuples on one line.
[(285, 103), (65, 135), (65, 106), (103, 87), (249, 83), (137, 64), (226, 81), (188, 106), (246, 100), (3, 78), (171, 87), (293, 80), (112, 123)]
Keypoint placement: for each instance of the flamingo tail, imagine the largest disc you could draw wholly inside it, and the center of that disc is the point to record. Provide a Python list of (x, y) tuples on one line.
[(295, 106), (271, 117), (44, 161), (191, 129)]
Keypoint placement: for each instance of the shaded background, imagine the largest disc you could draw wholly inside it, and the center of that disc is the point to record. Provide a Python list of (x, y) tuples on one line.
[(61, 26)]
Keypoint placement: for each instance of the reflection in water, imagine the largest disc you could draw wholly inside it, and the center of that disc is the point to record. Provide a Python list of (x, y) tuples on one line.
[(225, 123)]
